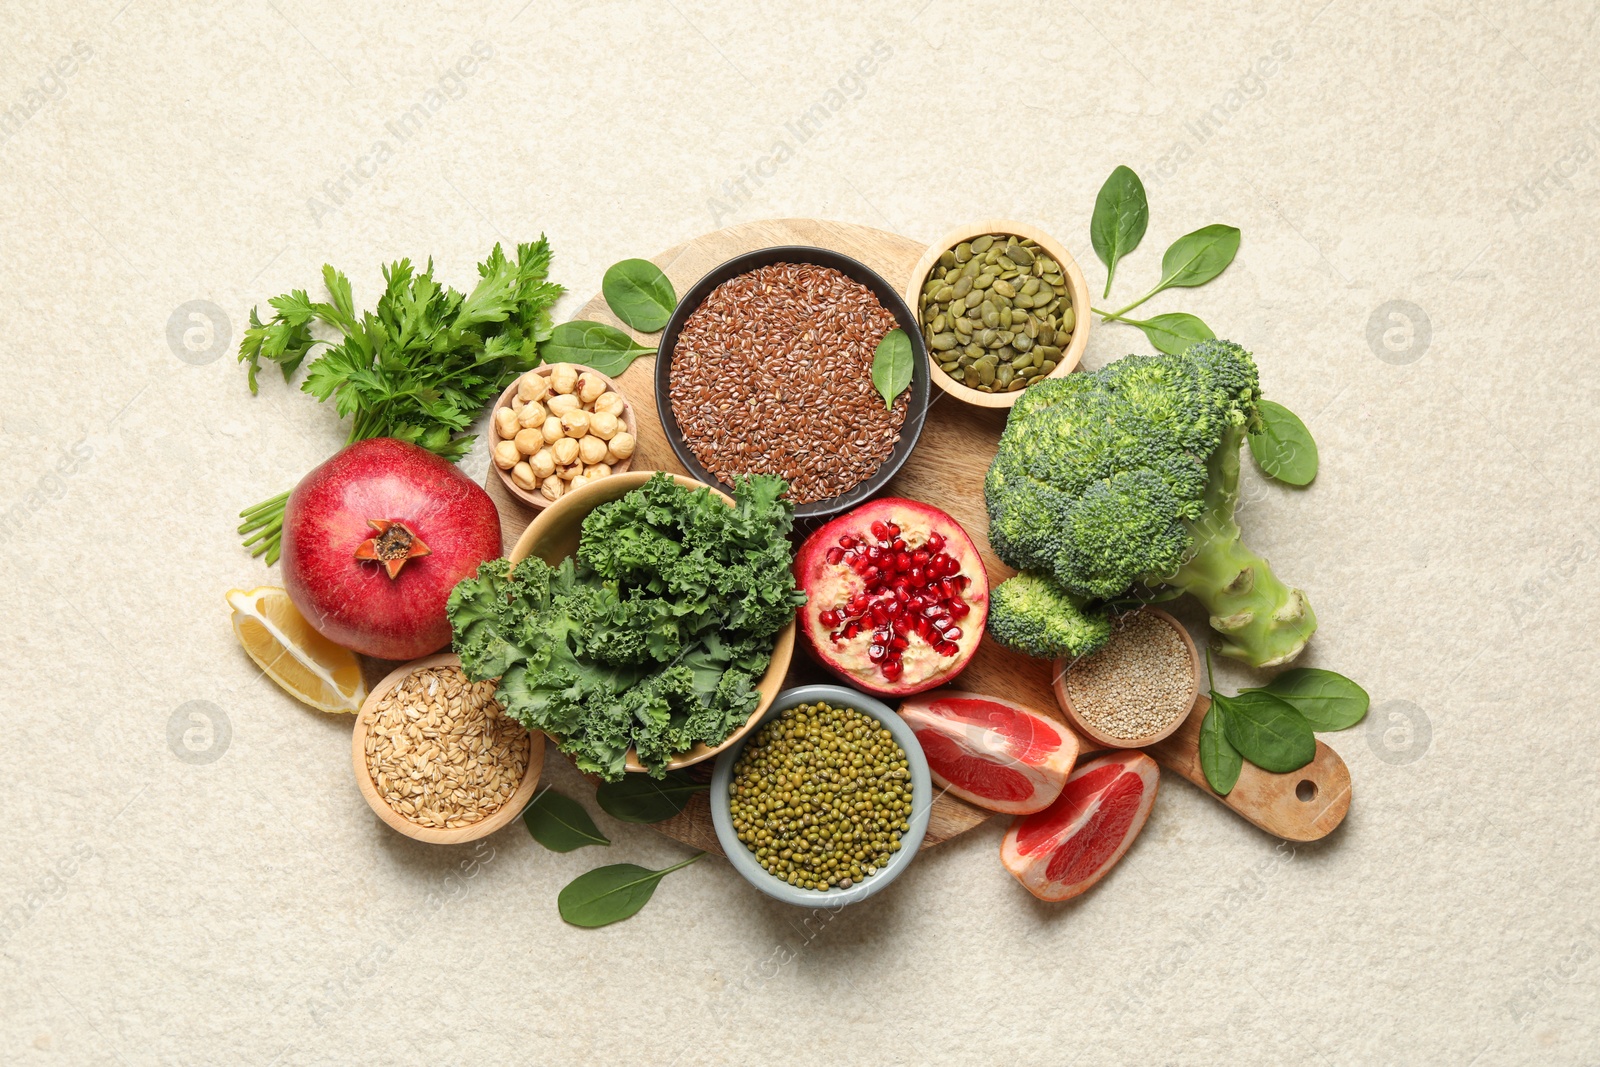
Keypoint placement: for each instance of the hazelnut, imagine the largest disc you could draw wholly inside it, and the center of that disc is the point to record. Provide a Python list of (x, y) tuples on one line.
[(553, 487), (622, 445), (572, 472), (596, 470), (604, 425), (506, 454), (532, 414), (543, 463), (552, 430), (575, 423), (591, 449), (563, 379), (529, 441), (505, 423), (522, 476), (564, 451), (533, 386), (560, 405), (590, 386), (609, 402)]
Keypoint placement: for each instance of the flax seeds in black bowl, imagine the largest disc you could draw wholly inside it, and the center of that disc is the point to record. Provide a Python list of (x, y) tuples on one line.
[(766, 367)]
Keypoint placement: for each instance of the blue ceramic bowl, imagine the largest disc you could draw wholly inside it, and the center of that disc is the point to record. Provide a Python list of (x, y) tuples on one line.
[(744, 861)]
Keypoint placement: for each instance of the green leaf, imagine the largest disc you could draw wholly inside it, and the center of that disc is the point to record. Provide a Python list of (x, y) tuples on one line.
[(1267, 731), (1327, 700), (639, 294), (560, 824), (592, 344), (1121, 214), (610, 894), (1196, 258), (1174, 332), (1283, 447), (891, 366), (1218, 758), (641, 798)]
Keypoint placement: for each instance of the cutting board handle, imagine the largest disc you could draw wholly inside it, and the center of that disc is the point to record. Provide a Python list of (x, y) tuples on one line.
[(1303, 805)]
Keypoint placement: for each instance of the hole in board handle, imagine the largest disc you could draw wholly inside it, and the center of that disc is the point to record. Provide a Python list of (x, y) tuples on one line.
[(1306, 790)]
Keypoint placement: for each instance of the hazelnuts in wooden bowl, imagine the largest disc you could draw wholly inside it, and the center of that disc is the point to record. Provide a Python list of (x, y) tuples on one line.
[(560, 426)]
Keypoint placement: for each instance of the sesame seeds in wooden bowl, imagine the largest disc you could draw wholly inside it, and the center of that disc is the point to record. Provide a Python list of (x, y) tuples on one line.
[(1077, 293), (436, 759), (1136, 690)]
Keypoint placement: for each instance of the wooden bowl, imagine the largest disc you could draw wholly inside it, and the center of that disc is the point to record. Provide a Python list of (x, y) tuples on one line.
[(1082, 726), (537, 499), (1077, 289), (369, 789), (553, 536)]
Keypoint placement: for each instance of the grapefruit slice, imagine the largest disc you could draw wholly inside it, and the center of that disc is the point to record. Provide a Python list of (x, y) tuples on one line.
[(1066, 848), (995, 753)]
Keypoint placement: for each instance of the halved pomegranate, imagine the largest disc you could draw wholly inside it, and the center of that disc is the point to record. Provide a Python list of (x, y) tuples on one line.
[(995, 753), (1061, 851), (896, 596)]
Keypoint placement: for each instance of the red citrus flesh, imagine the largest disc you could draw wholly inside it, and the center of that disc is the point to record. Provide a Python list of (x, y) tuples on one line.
[(1061, 851), (897, 596), (995, 753)]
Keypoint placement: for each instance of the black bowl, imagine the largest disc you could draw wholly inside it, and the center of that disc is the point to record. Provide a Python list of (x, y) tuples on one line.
[(916, 408)]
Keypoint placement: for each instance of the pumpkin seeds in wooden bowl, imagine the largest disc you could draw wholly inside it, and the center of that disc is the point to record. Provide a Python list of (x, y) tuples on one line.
[(1002, 306)]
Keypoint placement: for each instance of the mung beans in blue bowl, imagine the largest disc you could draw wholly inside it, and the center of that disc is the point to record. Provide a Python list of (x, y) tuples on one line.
[(832, 802)]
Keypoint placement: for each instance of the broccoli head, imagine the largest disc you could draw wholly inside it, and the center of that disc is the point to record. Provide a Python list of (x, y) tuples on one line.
[(1037, 617), (1127, 476)]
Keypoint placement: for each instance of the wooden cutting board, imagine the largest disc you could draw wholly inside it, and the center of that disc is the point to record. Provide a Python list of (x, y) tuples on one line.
[(947, 470)]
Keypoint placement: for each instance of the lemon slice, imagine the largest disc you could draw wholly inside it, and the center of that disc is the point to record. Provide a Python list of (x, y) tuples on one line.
[(307, 665)]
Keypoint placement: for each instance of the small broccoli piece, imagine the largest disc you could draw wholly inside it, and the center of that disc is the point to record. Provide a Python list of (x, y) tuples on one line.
[(1035, 616), (1130, 475)]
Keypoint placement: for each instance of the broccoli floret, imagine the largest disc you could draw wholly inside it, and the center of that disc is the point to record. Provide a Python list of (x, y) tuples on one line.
[(1130, 475), (1035, 616)]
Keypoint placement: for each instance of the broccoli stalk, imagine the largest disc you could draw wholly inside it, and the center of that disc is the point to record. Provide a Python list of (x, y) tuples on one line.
[(1263, 621)]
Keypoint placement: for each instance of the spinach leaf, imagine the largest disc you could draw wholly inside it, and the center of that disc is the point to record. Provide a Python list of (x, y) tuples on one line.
[(560, 824), (1196, 258), (1327, 700), (610, 894), (1174, 332), (641, 798), (1283, 446), (891, 366), (592, 344), (1121, 213), (1267, 731), (639, 294), (1218, 758)]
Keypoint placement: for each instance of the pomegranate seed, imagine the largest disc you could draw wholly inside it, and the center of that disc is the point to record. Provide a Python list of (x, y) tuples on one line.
[(836, 555), (874, 553), (953, 633), (920, 556), (902, 560), (892, 668), (962, 581), (935, 542), (958, 609), (894, 530), (880, 531), (897, 544), (851, 629), (880, 614), (934, 610), (947, 648), (872, 575), (917, 575), (898, 643), (830, 618), (875, 652), (847, 541)]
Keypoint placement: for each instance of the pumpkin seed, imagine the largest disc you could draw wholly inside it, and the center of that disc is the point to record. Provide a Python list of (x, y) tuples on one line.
[(995, 312)]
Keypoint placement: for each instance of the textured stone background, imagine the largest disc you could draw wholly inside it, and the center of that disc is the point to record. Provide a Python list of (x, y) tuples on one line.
[(1419, 190)]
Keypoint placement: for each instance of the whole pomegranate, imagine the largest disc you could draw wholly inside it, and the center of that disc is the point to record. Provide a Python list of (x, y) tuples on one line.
[(896, 596), (375, 539)]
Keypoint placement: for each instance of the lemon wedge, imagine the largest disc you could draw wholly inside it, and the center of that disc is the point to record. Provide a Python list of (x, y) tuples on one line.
[(307, 665)]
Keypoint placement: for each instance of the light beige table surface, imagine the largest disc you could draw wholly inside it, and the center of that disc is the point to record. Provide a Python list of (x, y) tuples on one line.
[(189, 875)]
